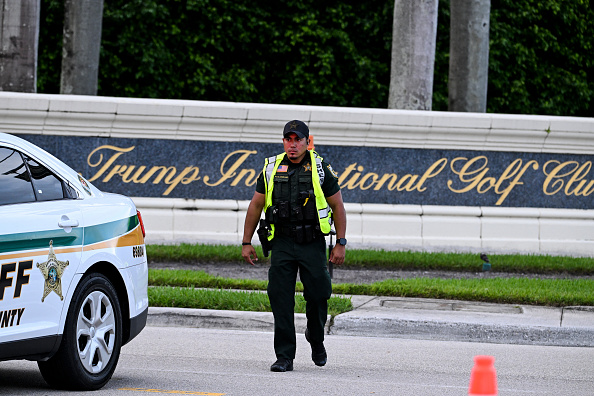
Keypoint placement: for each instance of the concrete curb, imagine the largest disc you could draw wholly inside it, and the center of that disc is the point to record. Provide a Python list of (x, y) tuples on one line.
[(414, 318), (466, 332), (214, 319)]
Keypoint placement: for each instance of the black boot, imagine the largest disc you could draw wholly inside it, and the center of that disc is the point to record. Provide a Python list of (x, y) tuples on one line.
[(318, 352), (282, 365)]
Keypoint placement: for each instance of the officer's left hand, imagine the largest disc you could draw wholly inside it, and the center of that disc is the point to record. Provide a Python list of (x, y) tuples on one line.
[(337, 254)]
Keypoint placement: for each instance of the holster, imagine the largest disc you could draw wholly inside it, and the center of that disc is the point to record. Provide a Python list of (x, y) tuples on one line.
[(263, 233)]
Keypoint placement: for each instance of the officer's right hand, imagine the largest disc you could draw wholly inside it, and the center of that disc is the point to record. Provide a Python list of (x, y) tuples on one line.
[(247, 252)]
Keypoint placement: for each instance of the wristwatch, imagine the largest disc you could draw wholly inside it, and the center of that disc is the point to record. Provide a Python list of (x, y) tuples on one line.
[(341, 241)]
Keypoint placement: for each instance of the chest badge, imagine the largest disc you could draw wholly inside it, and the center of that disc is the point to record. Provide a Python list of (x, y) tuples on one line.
[(307, 167), (52, 271)]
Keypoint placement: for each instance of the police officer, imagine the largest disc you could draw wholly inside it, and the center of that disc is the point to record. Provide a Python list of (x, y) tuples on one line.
[(295, 191)]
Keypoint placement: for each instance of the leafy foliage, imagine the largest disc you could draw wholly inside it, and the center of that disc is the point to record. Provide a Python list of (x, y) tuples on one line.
[(50, 46), (540, 57), (246, 51), (328, 53)]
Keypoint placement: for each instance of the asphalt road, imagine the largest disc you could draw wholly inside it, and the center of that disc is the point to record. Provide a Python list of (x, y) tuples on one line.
[(169, 360)]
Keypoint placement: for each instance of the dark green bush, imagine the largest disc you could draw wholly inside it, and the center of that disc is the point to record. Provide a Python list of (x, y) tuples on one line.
[(327, 53)]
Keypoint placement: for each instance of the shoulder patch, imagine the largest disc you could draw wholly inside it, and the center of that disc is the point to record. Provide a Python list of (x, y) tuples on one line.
[(332, 171)]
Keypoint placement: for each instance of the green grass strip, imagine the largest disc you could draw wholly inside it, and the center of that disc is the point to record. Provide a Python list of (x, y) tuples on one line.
[(546, 292), (397, 260), (469, 262), (190, 253), (183, 297), (191, 278)]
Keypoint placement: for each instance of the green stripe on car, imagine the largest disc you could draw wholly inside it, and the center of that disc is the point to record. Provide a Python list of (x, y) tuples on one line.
[(41, 239)]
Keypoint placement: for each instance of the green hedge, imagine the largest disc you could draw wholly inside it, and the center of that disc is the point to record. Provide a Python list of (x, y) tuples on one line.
[(329, 53)]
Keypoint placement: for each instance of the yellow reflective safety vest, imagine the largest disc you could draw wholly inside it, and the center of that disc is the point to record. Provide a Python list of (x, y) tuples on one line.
[(324, 213)]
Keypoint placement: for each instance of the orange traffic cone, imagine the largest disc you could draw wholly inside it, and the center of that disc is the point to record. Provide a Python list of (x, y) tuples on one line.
[(483, 378), (310, 146)]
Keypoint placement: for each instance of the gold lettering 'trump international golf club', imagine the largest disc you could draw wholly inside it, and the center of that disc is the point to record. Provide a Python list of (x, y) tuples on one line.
[(473, 173), (556, 172), (390, 180), (169, 174), (467, 174)]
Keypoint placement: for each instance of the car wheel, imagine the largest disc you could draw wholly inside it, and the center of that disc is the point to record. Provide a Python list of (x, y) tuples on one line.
[(92, 339)]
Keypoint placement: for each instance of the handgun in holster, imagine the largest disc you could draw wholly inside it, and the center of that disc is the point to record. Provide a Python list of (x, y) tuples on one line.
[(263, 233)]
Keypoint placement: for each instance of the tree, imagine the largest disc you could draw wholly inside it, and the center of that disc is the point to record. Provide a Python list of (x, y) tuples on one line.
[(469, 55), (413, 54), (324, 53), (18, 45), (81, 45)]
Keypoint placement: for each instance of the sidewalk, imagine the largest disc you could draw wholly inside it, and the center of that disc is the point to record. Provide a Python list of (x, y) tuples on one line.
[(416, 318)]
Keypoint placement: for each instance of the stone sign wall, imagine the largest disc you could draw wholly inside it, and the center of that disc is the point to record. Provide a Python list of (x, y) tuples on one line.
[(411, 180), (228, 170)]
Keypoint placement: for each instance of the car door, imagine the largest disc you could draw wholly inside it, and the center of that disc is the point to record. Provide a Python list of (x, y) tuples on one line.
[(41, 236)]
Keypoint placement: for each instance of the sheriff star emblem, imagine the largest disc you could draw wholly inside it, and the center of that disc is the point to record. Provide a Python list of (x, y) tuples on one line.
[(52, 271), (307, 167)]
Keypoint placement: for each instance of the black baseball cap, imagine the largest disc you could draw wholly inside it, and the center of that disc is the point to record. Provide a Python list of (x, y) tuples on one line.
[(297, 127)]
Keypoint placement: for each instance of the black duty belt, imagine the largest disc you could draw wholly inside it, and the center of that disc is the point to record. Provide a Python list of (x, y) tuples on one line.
[(300, 233), (287, 231)]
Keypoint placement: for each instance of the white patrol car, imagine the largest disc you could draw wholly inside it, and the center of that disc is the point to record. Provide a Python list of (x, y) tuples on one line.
[(73, 269)]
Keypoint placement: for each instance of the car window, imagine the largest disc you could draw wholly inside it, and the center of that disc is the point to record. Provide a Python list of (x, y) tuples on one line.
[(15, 183), (47, 186)]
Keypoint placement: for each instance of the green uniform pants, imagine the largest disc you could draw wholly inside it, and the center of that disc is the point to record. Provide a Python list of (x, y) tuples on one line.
[(310, 259)]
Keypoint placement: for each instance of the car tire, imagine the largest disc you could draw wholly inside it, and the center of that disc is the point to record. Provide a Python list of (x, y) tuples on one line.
[(92, 338)]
